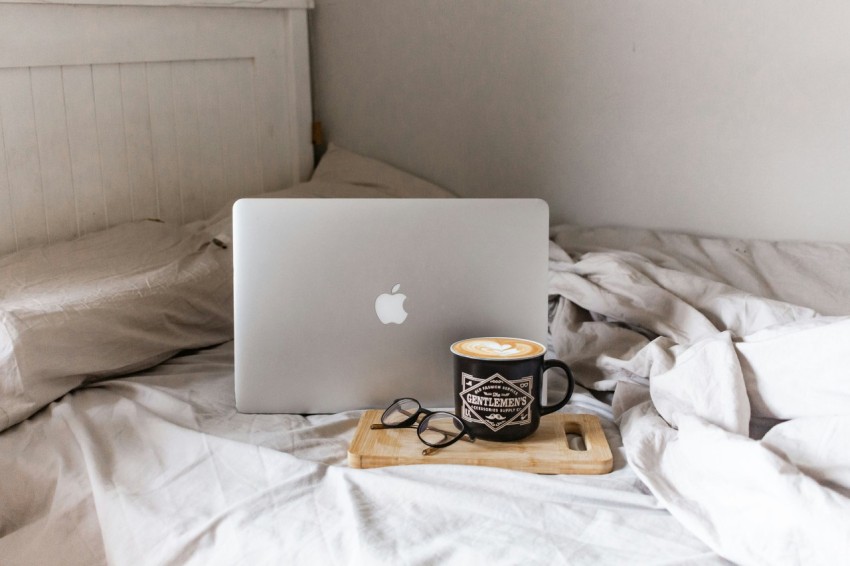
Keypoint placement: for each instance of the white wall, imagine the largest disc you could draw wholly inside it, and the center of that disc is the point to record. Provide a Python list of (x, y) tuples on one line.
[(722, 117)]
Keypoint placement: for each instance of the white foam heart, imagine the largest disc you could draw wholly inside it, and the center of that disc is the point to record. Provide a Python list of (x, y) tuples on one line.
[(496, 348)]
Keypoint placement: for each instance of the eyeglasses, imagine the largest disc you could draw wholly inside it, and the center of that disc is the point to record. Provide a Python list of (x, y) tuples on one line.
[(438, 429)]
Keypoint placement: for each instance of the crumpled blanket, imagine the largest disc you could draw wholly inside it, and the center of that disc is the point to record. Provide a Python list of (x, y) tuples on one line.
[(728, 363), (159, 468)]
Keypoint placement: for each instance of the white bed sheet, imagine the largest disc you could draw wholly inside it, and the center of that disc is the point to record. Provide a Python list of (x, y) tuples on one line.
[(160, 469), (729, 385)]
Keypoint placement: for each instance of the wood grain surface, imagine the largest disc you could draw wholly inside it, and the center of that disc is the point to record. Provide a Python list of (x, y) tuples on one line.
[(544, 452)]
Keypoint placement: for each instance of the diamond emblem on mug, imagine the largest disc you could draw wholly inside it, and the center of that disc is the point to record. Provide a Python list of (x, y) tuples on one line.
[(495, 401)]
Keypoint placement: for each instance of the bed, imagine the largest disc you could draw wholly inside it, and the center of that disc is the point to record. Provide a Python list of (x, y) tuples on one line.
[(725, 405), (717, 367)]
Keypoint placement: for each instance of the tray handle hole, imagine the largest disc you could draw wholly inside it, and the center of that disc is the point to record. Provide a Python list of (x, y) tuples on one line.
[(575, 438)]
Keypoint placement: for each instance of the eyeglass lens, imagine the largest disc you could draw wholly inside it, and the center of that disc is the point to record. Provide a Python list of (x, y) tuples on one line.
[(439, 429), (400, 411)]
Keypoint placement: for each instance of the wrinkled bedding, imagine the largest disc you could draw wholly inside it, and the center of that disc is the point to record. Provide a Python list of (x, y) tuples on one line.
[(734, 404), (160, 469), (721, 385)]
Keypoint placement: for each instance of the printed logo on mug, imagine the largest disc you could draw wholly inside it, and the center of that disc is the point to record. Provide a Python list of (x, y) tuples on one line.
[(498, 383)]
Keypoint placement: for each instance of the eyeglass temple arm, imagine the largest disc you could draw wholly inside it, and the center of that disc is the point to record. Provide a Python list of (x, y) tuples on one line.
[(431, 449), (379, 426)]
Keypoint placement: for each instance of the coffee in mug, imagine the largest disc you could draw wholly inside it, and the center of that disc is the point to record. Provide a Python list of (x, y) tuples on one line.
[(498, 383)]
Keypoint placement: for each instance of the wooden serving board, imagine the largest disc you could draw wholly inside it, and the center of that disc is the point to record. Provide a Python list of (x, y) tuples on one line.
[(544, 452)]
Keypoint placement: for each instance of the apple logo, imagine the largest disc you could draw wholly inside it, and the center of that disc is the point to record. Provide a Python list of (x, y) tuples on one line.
[(390, 306)]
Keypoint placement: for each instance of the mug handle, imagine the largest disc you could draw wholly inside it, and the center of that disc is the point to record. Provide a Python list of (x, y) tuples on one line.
[(547, 365)]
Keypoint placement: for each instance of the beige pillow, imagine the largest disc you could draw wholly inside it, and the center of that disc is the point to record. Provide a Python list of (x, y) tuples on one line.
[(340, 174), (106, 304), (342, 166)]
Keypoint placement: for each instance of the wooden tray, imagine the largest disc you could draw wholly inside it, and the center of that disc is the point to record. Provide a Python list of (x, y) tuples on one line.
[(544, 452)]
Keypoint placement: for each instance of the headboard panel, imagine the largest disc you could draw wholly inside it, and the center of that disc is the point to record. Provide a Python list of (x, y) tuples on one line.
[(113, 113)]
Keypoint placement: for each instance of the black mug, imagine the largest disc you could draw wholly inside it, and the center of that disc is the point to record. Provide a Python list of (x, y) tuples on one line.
[(498, 383)]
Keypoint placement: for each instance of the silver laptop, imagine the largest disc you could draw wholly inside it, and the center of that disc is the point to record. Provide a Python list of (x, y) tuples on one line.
[(351, 303)]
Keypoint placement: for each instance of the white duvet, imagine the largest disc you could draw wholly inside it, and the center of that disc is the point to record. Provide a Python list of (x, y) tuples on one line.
[(706, 346), (702, 369)]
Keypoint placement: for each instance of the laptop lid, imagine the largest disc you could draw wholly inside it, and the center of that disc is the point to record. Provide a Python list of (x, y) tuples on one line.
[(351, 303)]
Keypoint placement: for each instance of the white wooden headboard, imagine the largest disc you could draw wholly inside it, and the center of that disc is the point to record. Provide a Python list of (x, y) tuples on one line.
[(154, 108)]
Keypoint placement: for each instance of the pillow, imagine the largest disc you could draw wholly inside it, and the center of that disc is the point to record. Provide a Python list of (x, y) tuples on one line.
[(109, 303), (341, 166), (340, 174)]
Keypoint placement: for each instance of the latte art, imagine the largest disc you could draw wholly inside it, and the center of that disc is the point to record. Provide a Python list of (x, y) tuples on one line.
[(498, 348)]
